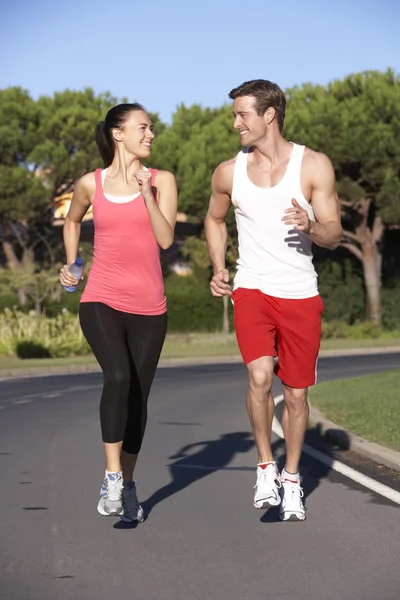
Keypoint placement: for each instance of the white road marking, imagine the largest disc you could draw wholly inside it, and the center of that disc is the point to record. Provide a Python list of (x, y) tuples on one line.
[(23, 401), (81, 388), (364, 480)]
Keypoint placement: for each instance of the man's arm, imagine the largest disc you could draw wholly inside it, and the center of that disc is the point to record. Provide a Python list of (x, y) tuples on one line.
[(215, 226), (326, 230)]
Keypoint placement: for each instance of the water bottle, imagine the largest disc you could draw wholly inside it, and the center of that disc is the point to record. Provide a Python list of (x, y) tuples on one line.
[(76, 269)]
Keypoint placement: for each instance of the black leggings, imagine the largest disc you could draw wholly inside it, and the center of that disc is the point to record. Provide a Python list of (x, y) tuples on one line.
[(127, 347)]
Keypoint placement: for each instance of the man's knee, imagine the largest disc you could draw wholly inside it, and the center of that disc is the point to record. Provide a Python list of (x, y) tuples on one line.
[(260, 374), (295, 398)]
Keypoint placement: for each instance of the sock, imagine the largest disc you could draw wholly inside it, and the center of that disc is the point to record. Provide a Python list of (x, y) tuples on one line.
[(264, 465), (293, 477), (111, 474)]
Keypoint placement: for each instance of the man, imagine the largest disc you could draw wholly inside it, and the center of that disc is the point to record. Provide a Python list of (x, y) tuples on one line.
[(284, 199)]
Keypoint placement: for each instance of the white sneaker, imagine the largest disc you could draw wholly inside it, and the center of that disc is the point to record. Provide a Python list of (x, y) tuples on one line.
[(267, 487), (292, 507), (110, 503)]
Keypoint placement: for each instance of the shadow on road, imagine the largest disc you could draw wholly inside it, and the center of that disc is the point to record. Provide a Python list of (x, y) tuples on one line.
[(211, 455), (195, 461)]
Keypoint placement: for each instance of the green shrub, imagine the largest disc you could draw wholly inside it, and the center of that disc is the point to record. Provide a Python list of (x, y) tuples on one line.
[(390, 300), (58, 336), (191, 307), (342, 291), (336, 330), (31, 349)]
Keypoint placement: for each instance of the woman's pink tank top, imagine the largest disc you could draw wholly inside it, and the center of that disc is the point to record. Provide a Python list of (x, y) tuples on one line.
[(126, 271)]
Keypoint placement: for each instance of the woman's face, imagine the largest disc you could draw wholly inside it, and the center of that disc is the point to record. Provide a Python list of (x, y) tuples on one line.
[(137, 134)]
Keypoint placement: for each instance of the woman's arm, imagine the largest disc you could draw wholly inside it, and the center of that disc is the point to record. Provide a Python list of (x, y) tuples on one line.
[(162, 213), (80, 203)]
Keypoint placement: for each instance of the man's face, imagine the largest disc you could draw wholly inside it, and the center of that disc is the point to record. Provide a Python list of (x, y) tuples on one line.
[(250, 125)]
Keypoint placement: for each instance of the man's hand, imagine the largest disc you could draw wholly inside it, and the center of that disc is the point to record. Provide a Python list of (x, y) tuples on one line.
[(298, 217), (219, 284)]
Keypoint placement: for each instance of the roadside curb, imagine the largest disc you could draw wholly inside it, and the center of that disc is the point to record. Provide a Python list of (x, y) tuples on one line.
[(94, 367), (355, 443), (177, 362)]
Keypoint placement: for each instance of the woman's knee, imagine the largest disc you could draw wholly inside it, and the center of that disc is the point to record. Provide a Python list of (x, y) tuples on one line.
[(118, 379)]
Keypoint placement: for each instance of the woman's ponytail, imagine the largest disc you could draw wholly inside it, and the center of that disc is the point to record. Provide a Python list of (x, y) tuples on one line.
[(104, 143)]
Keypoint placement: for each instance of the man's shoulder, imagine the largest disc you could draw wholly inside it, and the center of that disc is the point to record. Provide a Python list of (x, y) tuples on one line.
[(314, 159), (226, 166)]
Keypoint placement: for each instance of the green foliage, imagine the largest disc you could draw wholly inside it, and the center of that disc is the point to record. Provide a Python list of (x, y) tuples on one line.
[(25, 334), (342, 291), (66, 148), (390, 307), (191, 307), (22, 194), (30, 349), (336, 330), (38, 283), (356, 121)]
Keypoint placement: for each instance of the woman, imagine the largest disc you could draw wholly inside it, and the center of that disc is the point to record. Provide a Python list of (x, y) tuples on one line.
[(123, 307)]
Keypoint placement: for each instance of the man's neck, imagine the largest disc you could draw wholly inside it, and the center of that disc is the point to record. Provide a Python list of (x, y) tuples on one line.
[(272, 149)]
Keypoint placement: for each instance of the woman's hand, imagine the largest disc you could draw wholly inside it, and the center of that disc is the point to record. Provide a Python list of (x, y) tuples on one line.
[(66, 277), (144, 180)]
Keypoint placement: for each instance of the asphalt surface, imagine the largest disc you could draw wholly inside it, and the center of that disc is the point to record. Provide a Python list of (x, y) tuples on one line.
[(202, 538)]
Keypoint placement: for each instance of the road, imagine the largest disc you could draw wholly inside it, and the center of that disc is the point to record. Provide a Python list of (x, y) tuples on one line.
[(202, 539)]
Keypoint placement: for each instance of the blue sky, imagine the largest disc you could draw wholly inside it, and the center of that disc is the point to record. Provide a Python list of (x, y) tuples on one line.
[(164, 53)]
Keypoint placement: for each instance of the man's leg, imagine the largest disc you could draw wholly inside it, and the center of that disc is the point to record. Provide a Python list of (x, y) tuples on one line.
[(294, 424), (260, 405), (255, 332), (299, 329)]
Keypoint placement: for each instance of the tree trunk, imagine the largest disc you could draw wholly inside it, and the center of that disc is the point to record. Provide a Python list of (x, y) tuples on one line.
[(225, 316), (367, 248), (372, 278), (12, 259)]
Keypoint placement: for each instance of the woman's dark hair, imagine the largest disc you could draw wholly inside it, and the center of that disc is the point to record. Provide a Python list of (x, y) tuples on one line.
[(115, 119)]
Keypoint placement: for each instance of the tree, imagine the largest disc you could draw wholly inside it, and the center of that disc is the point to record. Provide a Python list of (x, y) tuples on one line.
[(66, 148), (356, 122), (22, 194), (45, 147)]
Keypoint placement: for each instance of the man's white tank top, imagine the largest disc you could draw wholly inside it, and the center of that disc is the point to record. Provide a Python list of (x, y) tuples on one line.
[(273, 257)]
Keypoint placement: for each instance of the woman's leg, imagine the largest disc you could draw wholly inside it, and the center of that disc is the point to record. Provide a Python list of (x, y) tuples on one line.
[(145, 338), (104, 331)]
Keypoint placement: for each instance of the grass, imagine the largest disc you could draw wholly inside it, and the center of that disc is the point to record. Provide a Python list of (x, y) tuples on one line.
[(178, 345), (368, 406)]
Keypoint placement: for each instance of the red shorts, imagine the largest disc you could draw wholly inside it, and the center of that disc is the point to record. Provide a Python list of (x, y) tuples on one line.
[(286, 328)]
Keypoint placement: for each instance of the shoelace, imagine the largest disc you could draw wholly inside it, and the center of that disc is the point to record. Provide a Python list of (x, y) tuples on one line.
[(269, 474), (114, 489), (296, 491)]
